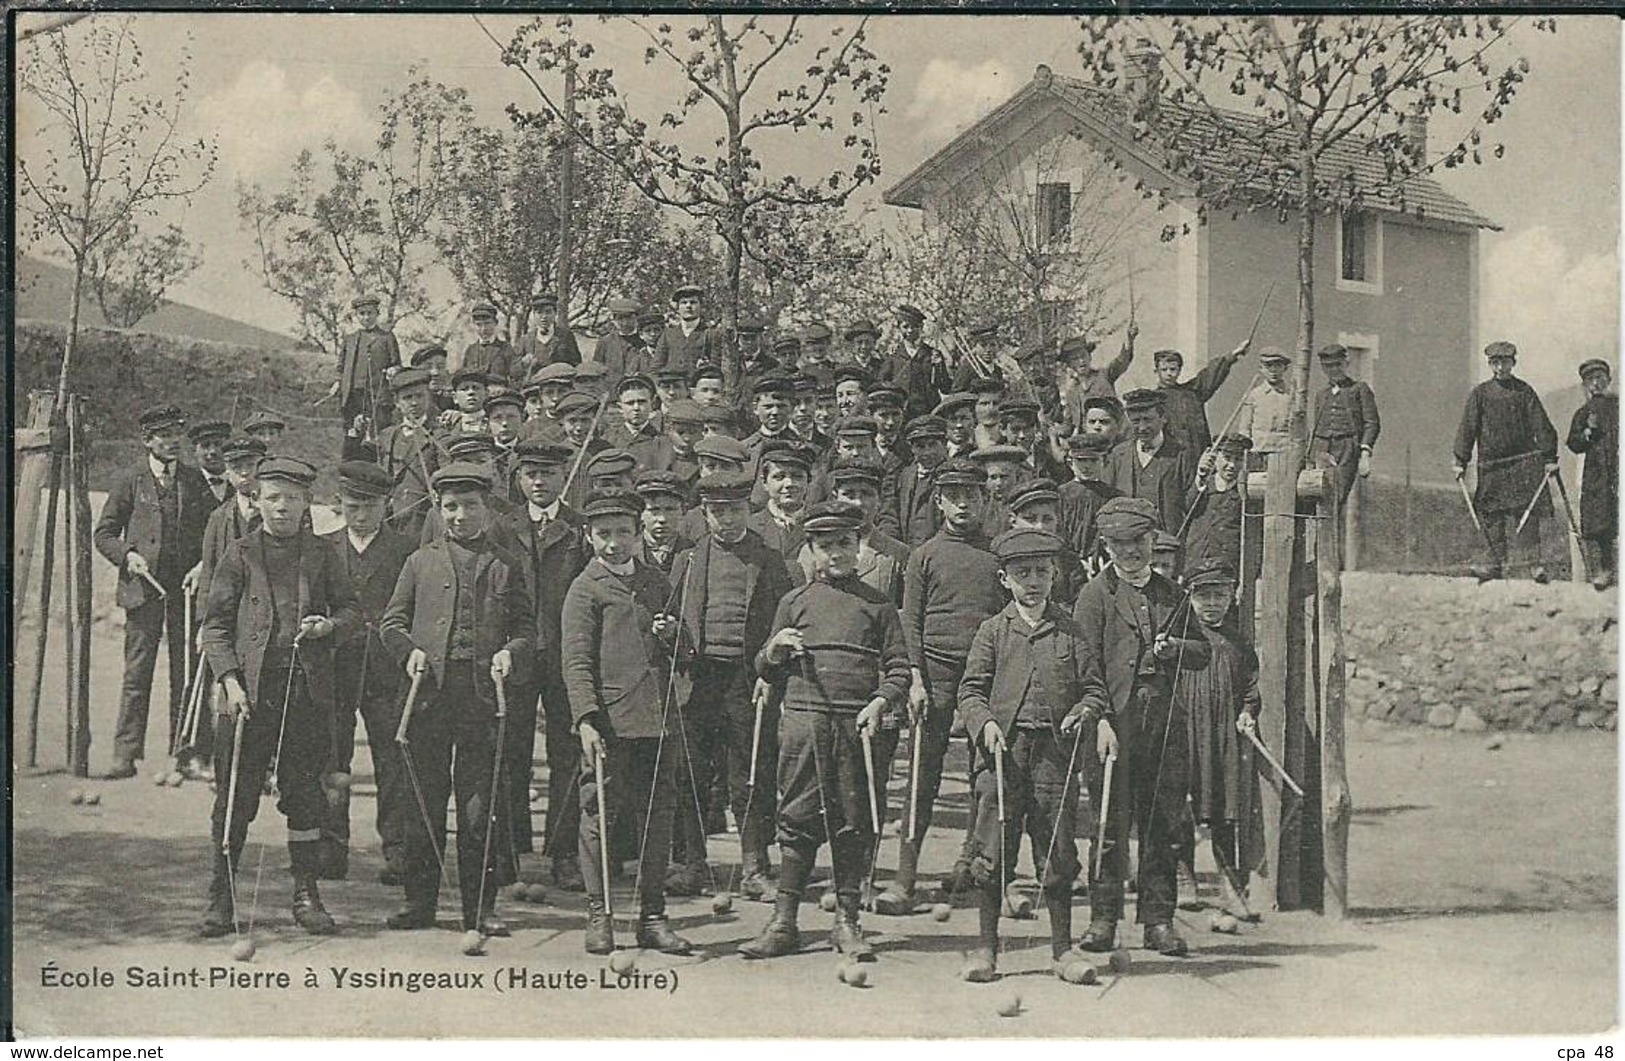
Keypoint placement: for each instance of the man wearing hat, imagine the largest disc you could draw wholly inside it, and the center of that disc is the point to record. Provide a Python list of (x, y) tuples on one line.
[(278, 603), (1137, 633), (1265, 415), (1080, 380), (505, 418), (690, 341), (1346, 424), (1506, 425), (1003, 467), (815, 346), (371, 555), (1214, 502), (837, 662), (265, 426), (958, 414), (547, 541), (151, 529), (432, 359), (1153, 464), (907, 510), (862, 338), (915, 365), (1186, 402), (729, 583), (490, 352), (367, 357), (784, 473), (408, 453), (207, 437), (1594, 433), (1019, 424), (621, 350), (1081, 498), (544, 342)]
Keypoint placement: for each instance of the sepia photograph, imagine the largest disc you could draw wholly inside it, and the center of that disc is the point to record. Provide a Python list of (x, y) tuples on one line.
[(718, 525)]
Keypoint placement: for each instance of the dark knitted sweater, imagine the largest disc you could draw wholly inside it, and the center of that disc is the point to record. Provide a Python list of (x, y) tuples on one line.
[(854, 648), (950, 587)]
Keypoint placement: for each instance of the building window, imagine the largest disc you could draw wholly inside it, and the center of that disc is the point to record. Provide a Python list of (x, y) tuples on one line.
[(1054, 214), (1359, 252)]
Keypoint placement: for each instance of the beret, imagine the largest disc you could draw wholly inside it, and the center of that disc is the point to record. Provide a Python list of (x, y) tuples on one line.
[(684, 411), (1595, 364), (1076, 346), (204, 430), (773, 383), (928, 426), (425, 353), (162, 416), (886, 396), (553, 372), (656, 483), (1024, 543), (242, 446), (832, 517), (1142, 400), (1166, 542), (1210, 571), (263, 418), (622, 307), (860, 328), (1106, 402), (852, 374), (634, 380), (575, 404), (1501, 348), (407, 378), (982, 328), (1273, 353), (815, 332), (1032, 492), (787, 451), (543, 299), (462, 475), (651, 318), (471, 448), (1018, 409), (716, 414), (1233, 444), (483, 311), (613, 502), (508, 398), (1168, 355), (1088, 444), (687, 291), (956, 400), (470, 375), (364, 479), (723, 448), (610, 461), (857, 424), (361, 301), (725, 486), (988, 454), (913, 313), (543, 451), (986, 385), (786, 344), (285, 470), (855, 471), (1126, 517), (957, 471)]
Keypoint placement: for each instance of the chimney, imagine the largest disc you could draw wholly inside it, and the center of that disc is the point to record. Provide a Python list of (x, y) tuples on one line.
[(1142, 77), (1416, 134)]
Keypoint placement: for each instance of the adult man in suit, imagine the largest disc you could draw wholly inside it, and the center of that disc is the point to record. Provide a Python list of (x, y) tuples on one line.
[(490, 353), (1152, 464), (367, 358), (408, 453), (621, 351), (915, 365), (1346, 422), (690, 341), (545, 343), (151, 529)]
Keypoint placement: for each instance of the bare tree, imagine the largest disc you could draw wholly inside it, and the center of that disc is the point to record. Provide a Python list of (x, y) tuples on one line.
[(130, 272)]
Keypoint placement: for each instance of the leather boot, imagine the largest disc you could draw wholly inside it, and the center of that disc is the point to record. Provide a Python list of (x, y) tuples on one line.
[(781, 936), (981, 964), (567, 874), (753, 863), (308, 912), (1100, 937), (1164, 940), (851, 854), (1188, 896), (422, 885), (655, 933), (1060, 923), (335, 859), (492, 926), (600, 931), (898, 898), (847, 936), (219, 920)]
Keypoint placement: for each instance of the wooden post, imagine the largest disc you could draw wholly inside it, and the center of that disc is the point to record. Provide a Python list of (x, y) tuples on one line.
[(70, 566), (53, 485), (1354, 529), (1407, 527), (81, 604), (1274, 611), (1337, 807), (33, 449)]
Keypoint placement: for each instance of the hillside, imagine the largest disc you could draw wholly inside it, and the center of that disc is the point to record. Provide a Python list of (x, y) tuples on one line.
[(45, 292)]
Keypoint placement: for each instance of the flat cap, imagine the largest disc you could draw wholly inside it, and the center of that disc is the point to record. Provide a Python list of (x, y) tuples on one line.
[(832, 517), (1595, 364), (1210, 571), (364, 479), (986, 385), (982, 329), (807, 382), (651, 318), (590, 372), (362, 301), (852, 374), (208, 430), (612, 502), (788, 451), (1168, 355), (855, 471), (1018, 409), (1126, 517), (1033, 492), (816, 332), (1074, 346), (575, 404), (654, 482), (471, 447), (886, 396), (610, 461), (624, 307), (483, 311), (162, 416), (504, 398), (723, 448), (718, 415), (670, 374), (913, 313), (635, 380), (285, 470), (859, 328), (787, 344), (1273, 354), (684, 411), (774, 383), (462, 475), (471, 375), (923, 427), (958, 471), (1106, 402), (1143, 399), (242, 447), (986, 455), (857, 424), (1088, 444), (544, 300), (263, 418), (1499, 348), (427, 353), (1233, 444), (750, 326), (725, 486), (704, 370), (1025, 543), (543, 451), (407, 378), (1339, 352), (1166, 542), (687, 291), (952, 402)]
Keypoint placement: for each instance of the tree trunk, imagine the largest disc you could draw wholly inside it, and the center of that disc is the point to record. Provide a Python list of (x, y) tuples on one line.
[(75, 306), (733, 221), (1306, 300)]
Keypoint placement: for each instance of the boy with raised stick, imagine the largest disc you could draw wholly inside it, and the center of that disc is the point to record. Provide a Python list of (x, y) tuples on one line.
[(838, 661), (950, 586), (371, 554), (408, 453), (619, 638), (729, 584), (1021, 700), (460, 622), (277, 603), (1139, 636)]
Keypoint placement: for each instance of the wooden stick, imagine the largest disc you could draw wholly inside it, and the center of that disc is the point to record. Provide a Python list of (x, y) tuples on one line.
[(603, 825), (1259, 316), (187, 596), (1540, 491), (1472, 510), (81, 550), (914, 752), (869, 771), (1574, 528), (406, 712), (998, 775), (1105, 811), (47, 576), (755, 743), (1275, 763), (163, 594), (231, 784)]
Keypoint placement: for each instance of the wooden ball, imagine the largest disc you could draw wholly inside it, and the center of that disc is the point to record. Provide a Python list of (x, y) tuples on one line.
[(1010, 1005), (243, 949), (473, 943), (941, 912), (623, 962), (826, 902)]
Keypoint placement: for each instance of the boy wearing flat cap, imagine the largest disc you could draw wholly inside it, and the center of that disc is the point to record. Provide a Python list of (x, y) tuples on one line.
[(371, 555), (469, 389), (916, 365), (1082, 497), (489, 353), (1036, 505), (544, 342), (460, 621), (785, 477), (278, 602), (1021, 701), (908, 511), (622, 351), (1594, 432), (408, 454), (151, 529), (624, 671), (836, 659), (368, 356), (1186, 401), (1138, 636), (265, 426), (1214, 502), (207, 438)]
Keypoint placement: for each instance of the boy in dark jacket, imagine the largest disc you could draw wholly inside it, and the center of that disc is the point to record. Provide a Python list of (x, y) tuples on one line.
[(460, 617), (838, 660), (619, 638), (277, 604)]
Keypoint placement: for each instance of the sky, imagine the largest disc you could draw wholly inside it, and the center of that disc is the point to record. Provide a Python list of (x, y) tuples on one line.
[(268, 85)]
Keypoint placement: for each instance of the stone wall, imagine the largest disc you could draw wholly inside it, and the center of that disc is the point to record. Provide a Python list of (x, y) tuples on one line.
[(1451, 653)]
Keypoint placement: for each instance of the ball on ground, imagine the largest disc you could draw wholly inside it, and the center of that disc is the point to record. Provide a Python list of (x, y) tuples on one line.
[(1226, 924), (721, 903), (161, 778), (855, 975), (1120, 961), (473, 943), (175, 779), (1009, 1004), (941, 911), (1079, 972), (76, 797), (1020, 905), (243, 949), (93, 799), (623, 962), (826, 902)]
